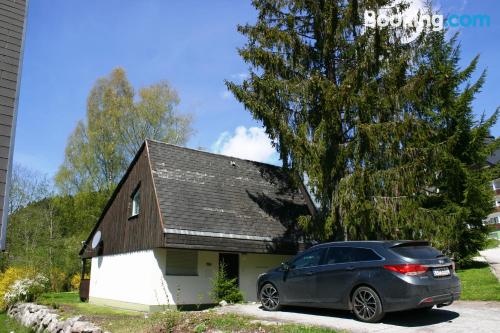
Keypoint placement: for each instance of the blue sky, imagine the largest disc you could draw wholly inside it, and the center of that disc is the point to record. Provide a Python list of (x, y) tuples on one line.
[(191, 44)]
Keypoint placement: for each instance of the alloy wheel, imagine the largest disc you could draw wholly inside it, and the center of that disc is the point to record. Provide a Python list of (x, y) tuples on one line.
[(366, 305), (269, 297)]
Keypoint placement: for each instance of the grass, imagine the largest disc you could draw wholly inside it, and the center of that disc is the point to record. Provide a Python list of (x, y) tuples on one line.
[(491, 243), (478, 283), (122, 321), (8, 325)]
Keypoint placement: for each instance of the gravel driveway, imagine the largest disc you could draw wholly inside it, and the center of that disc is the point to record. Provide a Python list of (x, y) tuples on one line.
[(470, 317)]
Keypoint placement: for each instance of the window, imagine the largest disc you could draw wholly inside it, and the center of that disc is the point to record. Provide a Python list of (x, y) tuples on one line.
[(338, 255), (417, 252), (136, 202), (309, 259), (181, 262)]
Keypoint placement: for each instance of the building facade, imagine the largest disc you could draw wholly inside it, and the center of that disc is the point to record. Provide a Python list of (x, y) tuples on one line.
[(12, 28)]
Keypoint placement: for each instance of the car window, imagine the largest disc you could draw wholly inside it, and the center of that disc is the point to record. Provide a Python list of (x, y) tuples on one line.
[(309, 259), (342, 254), (417, 252)]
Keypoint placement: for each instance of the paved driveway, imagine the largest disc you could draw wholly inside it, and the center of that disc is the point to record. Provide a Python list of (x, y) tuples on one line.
[(492, 256), (470, 317)]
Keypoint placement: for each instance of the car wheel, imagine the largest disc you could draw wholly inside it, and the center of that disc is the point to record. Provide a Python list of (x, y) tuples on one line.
[(270, 298), (366, 305)]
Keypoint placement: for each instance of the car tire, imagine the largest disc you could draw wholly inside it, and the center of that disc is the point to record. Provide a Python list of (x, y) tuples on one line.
[(270, 297), (366, 305)]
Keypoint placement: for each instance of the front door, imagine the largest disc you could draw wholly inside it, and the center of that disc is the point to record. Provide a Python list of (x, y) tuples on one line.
[(231, 263)]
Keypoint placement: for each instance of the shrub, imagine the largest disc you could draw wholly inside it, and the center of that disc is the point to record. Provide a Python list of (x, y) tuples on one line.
[(26, 289), (75, 282), (58, 280), (7, 279), (224, 289)]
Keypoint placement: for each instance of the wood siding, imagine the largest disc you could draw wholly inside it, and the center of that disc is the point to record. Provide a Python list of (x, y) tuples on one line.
[(122, 233), (12, 23)]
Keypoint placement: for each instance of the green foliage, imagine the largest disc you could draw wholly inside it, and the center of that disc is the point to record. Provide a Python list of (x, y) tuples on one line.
[(383, 131), (46, 230), (118, 121), (224, 289), (491, 244), (478, 282)]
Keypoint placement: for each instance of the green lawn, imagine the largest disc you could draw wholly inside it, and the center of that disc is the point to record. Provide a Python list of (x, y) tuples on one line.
[(8, 325), (479, 283), (120, 321), (492, 243)]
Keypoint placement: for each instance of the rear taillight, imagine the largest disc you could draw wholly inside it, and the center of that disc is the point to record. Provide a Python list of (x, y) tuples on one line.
[(407, 269)]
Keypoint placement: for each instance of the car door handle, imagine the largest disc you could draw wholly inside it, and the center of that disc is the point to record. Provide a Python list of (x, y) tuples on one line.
[(350, 268), (309, 273)]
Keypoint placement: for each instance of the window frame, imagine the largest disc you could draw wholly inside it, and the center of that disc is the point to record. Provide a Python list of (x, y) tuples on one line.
[(134, 203)]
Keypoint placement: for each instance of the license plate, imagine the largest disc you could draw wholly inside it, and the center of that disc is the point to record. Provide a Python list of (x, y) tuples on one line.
[(438, 272)]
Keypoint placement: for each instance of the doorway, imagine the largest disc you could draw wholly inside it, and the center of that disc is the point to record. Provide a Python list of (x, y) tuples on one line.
[(231, 262)]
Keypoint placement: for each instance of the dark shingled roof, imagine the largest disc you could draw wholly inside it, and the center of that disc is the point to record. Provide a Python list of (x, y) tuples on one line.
[(212, 194)]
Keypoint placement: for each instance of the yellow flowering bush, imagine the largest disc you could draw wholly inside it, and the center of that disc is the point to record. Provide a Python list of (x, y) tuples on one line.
[(8, 278)]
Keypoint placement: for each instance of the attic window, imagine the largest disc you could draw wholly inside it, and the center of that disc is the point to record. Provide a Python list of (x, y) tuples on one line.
[(136, 202)]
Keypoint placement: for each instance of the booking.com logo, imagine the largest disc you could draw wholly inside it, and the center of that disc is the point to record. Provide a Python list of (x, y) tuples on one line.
[(435, 22)]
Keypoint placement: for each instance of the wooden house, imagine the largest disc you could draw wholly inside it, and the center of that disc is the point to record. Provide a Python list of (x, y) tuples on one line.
[(179, 213)]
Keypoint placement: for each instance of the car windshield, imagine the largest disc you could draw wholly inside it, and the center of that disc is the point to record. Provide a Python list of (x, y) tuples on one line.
[(417, 252)]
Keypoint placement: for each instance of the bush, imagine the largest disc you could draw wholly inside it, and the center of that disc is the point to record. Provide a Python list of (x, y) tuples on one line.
[(7, 279), (75, 282), (26, 290), (224, 289)]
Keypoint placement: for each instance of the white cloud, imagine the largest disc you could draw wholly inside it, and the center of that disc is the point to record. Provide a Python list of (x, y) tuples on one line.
[(247, 143), (240, 76), (226, 94)]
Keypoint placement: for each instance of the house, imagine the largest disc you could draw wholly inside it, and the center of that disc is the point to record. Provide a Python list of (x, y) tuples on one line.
[(493, 219), (179, 213)]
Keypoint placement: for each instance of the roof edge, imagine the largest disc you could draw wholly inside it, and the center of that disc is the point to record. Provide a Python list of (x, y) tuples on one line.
[(216, 154)]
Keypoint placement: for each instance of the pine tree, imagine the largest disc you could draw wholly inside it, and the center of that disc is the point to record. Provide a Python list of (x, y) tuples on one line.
[(365, 117)]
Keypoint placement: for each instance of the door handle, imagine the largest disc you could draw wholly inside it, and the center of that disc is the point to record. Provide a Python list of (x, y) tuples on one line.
[(309, 273), (350, 268)]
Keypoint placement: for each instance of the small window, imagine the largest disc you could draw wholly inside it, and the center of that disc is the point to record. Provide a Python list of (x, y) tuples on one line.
[(181, 262), (308, 259), (136, 202)]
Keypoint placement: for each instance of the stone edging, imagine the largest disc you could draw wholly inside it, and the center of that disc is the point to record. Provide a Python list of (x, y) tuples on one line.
[(43, 319)]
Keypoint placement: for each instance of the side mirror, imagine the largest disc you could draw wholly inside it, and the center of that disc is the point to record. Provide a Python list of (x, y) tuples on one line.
[(285, 266)]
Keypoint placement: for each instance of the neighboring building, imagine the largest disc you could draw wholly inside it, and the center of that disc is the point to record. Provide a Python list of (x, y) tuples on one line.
[(177, 214), (494, 218), (12, 27)]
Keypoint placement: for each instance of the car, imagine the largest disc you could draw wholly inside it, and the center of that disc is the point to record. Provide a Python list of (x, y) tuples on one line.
[(370, 278)]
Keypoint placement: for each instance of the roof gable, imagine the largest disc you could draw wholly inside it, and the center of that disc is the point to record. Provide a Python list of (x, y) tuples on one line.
[(208, 194)]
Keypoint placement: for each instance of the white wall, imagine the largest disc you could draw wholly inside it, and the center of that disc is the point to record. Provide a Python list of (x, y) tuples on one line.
[(251, 266), (139, 277)]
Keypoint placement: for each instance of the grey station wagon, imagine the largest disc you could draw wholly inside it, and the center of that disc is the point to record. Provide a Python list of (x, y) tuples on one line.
[(370, 278)]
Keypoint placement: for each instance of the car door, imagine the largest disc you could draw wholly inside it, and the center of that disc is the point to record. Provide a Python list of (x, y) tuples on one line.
[(335, 276), (300, 280)]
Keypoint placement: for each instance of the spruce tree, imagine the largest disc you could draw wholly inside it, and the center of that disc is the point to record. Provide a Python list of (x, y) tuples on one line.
[(375, 124)]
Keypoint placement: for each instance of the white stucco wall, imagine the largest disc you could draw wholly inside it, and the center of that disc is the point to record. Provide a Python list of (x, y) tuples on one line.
[(251, 266), (139, 278)]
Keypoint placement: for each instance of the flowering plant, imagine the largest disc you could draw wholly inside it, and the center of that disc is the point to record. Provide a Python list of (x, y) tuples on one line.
[(26, 289)]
